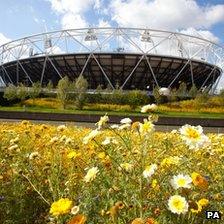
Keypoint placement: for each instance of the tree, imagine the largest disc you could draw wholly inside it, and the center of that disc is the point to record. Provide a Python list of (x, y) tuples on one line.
[(109, 88), (99, 89), (173, 95), (35, 90), (63, 89), (193, 91), (22, 92), (81, 86), (10, 92), (49, 88), (203, 96), (182, 91)]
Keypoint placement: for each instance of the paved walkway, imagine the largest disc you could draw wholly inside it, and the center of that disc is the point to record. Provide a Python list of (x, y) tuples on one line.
[(162, 128)]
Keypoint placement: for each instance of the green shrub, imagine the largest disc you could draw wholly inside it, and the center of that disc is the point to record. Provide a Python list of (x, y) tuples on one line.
[(136, 98)]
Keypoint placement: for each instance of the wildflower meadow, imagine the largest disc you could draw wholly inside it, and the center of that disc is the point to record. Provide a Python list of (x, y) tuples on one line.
[(121, 173)]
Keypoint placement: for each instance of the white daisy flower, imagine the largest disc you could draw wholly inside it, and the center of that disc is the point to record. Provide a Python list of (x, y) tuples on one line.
[(126, 121), (61, 128), (74, 210), (91, 136), (181, 181), (109, 140), (149, 107), (103, 120), (177, 204), (149, 170), (194, 137), (91, 174)]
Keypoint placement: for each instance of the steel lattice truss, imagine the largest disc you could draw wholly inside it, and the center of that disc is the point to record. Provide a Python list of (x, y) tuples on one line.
[(128, 57)]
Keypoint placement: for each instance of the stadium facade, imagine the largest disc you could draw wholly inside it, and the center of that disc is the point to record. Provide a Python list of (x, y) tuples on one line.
[(130, 58)]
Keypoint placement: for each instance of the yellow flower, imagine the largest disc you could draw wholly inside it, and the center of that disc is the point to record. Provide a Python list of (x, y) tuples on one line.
[(177, 204), (91, 174), (171, 160), (61, 207), (196, 208), (203, 202), (126, 166), (101, 155), (138, 221), (73, 155), (154, 183)]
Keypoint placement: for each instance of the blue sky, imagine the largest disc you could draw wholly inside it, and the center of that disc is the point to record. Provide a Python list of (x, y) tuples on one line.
[(25, 17)]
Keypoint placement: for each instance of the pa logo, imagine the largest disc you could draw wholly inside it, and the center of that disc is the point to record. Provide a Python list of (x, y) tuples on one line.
[(213, 215)]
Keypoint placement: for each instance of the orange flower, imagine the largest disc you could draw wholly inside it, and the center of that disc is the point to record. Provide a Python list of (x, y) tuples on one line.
[(150, 221), (78, 219), (137, 221), (199, 180), (135, 125)]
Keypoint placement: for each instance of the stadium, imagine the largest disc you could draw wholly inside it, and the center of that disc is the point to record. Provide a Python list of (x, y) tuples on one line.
[(128, 58)]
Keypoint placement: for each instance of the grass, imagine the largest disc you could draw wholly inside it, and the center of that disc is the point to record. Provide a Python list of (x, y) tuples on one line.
[(119, 113)]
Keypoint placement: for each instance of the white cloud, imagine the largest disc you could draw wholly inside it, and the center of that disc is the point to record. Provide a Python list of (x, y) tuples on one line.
[(3, 39), (54, 50), (70, 20), (72, 11), (165, 14), (206, 34), (103, 23)]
